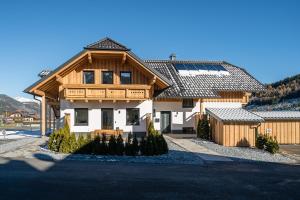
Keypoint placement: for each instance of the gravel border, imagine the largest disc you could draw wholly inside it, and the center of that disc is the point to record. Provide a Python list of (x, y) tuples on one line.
[(10, 146), (176, 155), (244, 154)]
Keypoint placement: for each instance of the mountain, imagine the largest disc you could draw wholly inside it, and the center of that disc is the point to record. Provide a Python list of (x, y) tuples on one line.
[(280, 95), (9, 104), (26, 100)]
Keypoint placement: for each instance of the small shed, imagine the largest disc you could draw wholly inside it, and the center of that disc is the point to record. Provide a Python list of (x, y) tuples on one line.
[(284, 125), (233, 126)]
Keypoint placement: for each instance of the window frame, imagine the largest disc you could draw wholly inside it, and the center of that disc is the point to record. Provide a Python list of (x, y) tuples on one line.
[(83, 77), (102, 77), (121, 77), (138, 120), (187, 106), (75, 117)]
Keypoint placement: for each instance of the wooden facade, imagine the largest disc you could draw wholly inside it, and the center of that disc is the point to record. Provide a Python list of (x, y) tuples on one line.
[(230, 96), (285, 131), (233, 133)]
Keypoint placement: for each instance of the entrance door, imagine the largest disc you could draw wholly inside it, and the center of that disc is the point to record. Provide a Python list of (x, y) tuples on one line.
[(107, 118), (165, 123)]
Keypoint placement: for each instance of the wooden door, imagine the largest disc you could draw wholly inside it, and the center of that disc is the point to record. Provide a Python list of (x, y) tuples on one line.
[(107, 116)]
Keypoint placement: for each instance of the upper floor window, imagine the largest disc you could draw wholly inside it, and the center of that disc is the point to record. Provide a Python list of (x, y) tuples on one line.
[(88, 77), (125, 77), (187, 103), (107, 77), (81, 116)]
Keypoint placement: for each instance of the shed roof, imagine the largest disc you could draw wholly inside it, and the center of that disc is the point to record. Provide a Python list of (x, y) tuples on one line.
[(277, 115), (233, 115)]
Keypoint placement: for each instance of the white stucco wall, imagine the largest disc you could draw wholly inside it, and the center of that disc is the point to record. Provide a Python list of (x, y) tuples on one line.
[(180, 117), (220, 105), (119, 114)]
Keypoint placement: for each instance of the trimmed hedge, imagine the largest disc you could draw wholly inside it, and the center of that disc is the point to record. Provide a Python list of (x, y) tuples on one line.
[(65, 142), (267, 143)]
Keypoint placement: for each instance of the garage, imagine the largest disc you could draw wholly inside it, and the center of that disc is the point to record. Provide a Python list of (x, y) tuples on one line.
[(238, 127), (284, 125)]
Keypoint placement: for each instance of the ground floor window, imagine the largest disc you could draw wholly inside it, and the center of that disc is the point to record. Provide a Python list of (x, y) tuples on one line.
[(81, 116), (132, 116)]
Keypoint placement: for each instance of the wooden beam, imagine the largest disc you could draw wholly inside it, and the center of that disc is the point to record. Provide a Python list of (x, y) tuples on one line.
[(153, 80), (100, 100), (123, 59), (59, 79), (90, 58)]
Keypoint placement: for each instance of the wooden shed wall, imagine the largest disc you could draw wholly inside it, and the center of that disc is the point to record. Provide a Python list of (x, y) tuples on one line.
[(233, 133), (286, 132)]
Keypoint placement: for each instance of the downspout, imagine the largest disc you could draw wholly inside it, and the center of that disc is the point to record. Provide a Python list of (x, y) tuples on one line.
[(34, 97)]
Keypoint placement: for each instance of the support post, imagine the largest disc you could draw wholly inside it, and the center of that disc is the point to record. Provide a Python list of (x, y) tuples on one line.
[(44, 116)]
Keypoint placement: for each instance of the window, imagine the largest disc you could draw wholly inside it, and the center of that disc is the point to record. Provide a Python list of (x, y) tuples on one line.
[(132, 116), (107, 77), (81, 116), (125, 77), (88, 77), (187, 103)]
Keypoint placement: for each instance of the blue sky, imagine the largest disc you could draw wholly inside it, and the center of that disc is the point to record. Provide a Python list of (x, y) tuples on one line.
[(261, 36)]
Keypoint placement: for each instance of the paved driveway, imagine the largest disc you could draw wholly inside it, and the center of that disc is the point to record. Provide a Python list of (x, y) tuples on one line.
[(291, 150)]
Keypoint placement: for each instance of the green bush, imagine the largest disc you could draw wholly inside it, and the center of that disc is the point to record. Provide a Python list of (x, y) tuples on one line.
[(112, 145), (72, 143), (151, 129), (267, 143), (203, 129), (143, 147), (81, 142), (120, 146), (104, 146), (96, 145), (128, 145), (135, 146)]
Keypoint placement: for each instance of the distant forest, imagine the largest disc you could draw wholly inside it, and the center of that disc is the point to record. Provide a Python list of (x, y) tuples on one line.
[(278, 92)]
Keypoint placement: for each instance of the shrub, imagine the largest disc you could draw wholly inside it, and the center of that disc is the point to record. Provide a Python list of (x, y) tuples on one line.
[(135, 146), (81, 142), (96, 145), (112, 144), (104, 146), (72, 143), (203, 129), (128, 145), (120, 146), (272, 145), (151, 129), (143, 147), (267, 143)]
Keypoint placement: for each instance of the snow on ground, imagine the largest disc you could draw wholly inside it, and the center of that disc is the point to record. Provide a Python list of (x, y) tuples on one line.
[(19, 134)]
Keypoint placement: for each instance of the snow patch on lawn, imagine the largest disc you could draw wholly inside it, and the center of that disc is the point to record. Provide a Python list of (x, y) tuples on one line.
[(19, 134)]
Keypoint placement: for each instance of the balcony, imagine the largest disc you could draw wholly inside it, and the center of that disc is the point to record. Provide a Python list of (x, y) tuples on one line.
[(106, 92)]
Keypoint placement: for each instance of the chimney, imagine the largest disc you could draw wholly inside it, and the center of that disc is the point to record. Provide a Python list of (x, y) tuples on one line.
[(172, 56)]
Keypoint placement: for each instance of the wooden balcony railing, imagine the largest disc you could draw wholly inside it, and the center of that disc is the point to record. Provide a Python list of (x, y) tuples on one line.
[(106, 92)]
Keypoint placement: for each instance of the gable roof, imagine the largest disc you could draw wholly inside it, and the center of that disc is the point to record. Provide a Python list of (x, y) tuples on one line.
[(107, 44), (233, 115), (203, 85)]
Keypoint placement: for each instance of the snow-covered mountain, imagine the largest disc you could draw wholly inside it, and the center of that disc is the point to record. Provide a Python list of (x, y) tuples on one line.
[(26, 100)]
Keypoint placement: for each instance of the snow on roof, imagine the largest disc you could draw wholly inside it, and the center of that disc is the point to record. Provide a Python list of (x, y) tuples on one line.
[(279, 114), (234, 114)]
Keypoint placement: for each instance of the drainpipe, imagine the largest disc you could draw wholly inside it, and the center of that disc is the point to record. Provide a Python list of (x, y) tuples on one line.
[(34, 97)]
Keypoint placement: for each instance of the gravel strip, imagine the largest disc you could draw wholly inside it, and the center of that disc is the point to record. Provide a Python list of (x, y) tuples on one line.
[(244, 153), (10, 146), (176, 155)]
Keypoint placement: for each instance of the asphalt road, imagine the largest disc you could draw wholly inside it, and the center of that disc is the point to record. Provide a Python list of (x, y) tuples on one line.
[(35, 179)]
